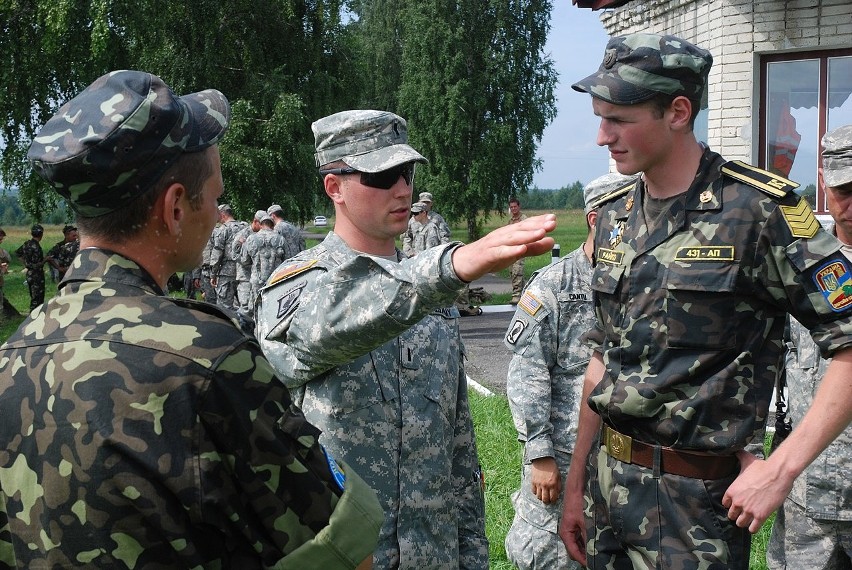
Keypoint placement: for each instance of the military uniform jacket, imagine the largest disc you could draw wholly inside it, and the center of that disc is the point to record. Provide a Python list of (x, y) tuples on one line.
[(63, 253), (823, 490), (293, 240), (545, 380), (377, 366), (32, 256), (222, 260), (426, 236), (243, 268), (263, 252), (690, 318), (132, 440)]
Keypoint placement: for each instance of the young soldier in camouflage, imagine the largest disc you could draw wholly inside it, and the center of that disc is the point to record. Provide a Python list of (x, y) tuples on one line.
[(146, 431), (365, 339), (516, 272), (813, 529), (63, 253), (544, 385), (697, 265)]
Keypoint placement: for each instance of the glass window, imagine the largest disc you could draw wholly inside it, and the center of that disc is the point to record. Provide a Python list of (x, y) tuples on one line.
[(803, 95)]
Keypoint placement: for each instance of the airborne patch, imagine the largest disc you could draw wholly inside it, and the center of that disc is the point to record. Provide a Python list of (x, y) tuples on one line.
[(289, 270), (515, 331), (801, 219), (834, 281), (529, 303)]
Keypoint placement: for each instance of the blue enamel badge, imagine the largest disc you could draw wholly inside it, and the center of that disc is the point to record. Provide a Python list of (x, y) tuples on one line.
[(834, 281)]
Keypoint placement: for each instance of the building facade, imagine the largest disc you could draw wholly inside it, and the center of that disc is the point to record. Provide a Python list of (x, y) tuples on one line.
[(781, 77)]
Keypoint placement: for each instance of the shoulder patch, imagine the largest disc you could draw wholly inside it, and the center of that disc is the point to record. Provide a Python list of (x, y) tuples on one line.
[(617, 193), (801, 220), (287, 271), (765, 181), (529, 303)]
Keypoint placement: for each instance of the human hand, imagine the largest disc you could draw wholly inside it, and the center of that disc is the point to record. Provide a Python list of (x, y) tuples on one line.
[(572, 526), (546, 482), (755, 493), (503, 247)]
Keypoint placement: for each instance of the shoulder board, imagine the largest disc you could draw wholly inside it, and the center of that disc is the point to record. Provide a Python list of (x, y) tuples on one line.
[(767, 182), (617, 193), (289, 270)]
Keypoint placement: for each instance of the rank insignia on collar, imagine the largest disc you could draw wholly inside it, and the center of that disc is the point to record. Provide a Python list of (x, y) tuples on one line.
[(615, 234), (705, 196)]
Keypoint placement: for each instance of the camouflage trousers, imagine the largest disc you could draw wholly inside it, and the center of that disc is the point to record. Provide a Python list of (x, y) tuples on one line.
[(35, 282), (517, 274), (798, 541), (641, 519), (226, 292), (244, 301), (532, 542), (207, 288)]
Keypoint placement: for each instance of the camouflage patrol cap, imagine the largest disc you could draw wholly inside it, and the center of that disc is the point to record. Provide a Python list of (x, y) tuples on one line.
[(366, 140), (36, 230), (425, 197), (638, 67), (601, 186), (837, 156), (259, 215), (418, 207), (113, 141)]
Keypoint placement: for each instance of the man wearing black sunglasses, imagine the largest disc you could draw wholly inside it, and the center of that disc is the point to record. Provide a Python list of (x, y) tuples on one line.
[(368, 343)]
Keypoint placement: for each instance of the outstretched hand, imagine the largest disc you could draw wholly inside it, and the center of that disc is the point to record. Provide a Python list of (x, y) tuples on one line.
[(504, 246)]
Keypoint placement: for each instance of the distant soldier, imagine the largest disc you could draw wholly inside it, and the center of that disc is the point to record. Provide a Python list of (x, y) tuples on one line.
[(438, 219), (294, 242), (544, 386), (5, 260), (263, 252), (205, 273), (62, 254), (223, 267), (517, 269), (244, 299), (426, 234), (32, 258)]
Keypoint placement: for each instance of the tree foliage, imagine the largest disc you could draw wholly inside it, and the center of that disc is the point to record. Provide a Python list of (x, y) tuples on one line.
[(469, 75)]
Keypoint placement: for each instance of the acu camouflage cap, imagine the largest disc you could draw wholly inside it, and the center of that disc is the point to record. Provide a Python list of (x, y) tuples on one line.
[(368, 141), (601, 186), (638, 67), (113, 141), (837, 156)]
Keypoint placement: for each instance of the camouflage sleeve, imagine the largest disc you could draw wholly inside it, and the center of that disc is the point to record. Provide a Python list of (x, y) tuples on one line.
[(469, 491), (532, 337), (433, 238), (265, 475), (217, 252), (320, 319)]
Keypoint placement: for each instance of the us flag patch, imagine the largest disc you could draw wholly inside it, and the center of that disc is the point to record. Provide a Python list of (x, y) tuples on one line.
[(529, 303), (834, 281), (289, 270)]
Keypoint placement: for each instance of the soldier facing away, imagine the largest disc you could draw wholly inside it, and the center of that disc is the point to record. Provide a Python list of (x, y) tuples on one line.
[(32, 258), (368, 344), (150, 431)]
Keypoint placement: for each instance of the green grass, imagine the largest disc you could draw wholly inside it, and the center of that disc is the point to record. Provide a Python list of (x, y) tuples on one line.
[(500, 454)]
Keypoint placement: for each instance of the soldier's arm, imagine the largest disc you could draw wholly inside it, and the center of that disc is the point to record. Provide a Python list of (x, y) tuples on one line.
[(572, 526), (763, 485)]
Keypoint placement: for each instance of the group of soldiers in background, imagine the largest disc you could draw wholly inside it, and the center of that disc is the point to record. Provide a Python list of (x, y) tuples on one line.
[(58, 259), (240, 257)]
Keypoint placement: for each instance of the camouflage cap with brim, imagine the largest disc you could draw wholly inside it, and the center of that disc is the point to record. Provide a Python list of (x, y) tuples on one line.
[(113, 141), (837, 157), (366, 140), (639, 67), (603, 185)]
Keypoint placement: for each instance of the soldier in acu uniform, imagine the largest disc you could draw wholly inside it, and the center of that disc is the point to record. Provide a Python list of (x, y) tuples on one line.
[(367, 342), (150, 432), (223, 266), (696, 266), (813, 529), (544, 385)]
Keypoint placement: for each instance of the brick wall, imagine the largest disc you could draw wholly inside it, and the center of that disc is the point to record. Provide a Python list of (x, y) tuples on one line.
[(736, 32)]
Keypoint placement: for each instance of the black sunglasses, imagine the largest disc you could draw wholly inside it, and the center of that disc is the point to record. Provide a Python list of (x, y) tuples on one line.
[(384, 179)]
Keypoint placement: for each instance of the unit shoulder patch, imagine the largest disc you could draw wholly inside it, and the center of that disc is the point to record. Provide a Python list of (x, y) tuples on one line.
[(765, 181), (617, 193), (801, 220)]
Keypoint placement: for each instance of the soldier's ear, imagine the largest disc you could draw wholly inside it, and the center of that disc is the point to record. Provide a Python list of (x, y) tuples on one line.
[(171, 207), (332, 184)]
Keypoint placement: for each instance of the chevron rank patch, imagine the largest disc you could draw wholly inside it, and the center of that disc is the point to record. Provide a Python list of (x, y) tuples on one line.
[(834, 281), (801, 219), (286, 271), (529, 303)]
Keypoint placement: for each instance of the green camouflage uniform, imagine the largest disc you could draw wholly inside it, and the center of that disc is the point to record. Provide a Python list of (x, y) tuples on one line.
[(689, 322), (63, 254), (378, 367), (139, 442), (32, 257), (544, 386)]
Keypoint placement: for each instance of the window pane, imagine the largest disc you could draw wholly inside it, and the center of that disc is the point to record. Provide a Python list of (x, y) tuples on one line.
[(792, 126), (839, 89)]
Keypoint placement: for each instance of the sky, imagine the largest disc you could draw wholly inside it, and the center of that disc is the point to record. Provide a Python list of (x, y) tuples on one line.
[(568, 151)]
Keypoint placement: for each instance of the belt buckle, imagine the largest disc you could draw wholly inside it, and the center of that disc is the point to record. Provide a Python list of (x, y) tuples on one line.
[(618, 445)]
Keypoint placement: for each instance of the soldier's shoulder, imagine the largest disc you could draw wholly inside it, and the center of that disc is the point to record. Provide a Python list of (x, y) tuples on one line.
[(294, 268), (771, 184)]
